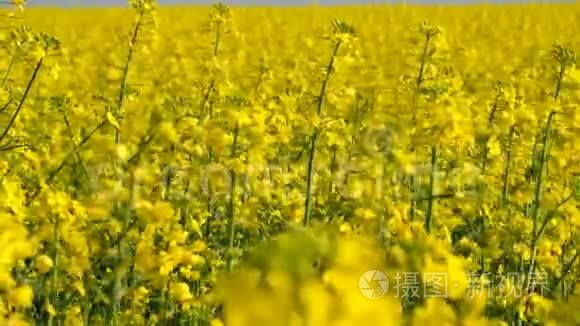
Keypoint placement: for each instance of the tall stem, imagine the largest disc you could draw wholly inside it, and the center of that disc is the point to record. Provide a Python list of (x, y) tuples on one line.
[(419, 80), (559, 82), (56, 259), (216, 46), (539, 180), (489, 122), (24, 96), (314, 138), (538, 196), (210, 156), (507, 167), (231, 206), (431, 199), (125, 76), (10, 65)]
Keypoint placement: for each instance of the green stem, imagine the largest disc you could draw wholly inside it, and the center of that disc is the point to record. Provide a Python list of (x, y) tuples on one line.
[(56, 259), (506, 173), (549, 217), (539, 180), (310, 177), (538, 195), (75, 149), (62, 164), (231, 206), (205, 99), (87, 307), (125, 76), (430, 203), (210, 158), (490, 123), (21, 104), (71, 136), (565, 270), (332, 169), (217, 40), (209, 204), (7, 104), (419, 80), (559, 82), (10, 65), (314, 138)]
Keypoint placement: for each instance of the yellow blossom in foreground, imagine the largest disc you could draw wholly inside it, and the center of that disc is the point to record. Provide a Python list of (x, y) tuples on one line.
[(44, 264), (21, 296)]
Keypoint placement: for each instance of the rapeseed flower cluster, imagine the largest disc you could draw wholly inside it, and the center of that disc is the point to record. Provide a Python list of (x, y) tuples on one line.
[(252, 166)]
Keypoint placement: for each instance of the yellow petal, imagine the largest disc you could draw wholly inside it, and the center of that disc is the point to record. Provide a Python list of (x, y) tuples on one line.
[(113, 121)]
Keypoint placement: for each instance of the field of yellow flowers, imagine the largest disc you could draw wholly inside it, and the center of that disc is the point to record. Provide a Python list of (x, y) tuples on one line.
[(301, 166)]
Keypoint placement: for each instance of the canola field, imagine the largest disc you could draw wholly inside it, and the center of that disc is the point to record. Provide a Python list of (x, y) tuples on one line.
[(301, 166)]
